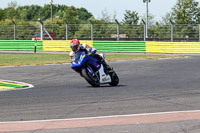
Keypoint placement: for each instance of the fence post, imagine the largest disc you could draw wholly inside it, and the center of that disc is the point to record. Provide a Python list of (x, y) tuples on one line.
[(41, 29), (35, 49), (144, 29), (92, 29), (199, 32), (172, 30), (66, 29), (14, 29), (117, 29)]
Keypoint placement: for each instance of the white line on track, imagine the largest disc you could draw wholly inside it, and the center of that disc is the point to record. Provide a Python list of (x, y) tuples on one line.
[(102, 117)]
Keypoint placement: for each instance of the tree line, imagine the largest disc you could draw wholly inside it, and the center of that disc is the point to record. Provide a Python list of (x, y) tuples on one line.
[(184, 12)]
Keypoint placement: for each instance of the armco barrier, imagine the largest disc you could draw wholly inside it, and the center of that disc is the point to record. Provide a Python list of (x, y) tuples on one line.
[(19, 45), (173, 47), (119, 46), (60, 45)]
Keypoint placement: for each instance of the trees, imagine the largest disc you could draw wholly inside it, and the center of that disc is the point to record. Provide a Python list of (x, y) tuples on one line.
[(28, 13), (10, 11), (2, 16), (129, 22), (33, 12), (105, 16), (184, 15), (83, 14), (130, 17), (71, 15), (185, 12)]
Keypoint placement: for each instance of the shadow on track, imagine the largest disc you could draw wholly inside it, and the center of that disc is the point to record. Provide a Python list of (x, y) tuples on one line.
[(104, 86)]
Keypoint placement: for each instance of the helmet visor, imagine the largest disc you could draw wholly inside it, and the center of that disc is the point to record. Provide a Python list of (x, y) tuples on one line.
[(74, 47)]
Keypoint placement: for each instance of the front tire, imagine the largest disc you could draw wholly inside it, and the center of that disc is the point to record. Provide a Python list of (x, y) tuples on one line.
[(91, 79), (114, 79)]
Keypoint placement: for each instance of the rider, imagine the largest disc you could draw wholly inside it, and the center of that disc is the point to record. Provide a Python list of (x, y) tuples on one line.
[(76, 47)]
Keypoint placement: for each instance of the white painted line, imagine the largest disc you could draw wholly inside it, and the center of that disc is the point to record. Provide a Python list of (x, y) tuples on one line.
[(102, 117)]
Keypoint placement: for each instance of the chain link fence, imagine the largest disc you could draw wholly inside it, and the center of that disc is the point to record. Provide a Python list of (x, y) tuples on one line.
[(185, 32)]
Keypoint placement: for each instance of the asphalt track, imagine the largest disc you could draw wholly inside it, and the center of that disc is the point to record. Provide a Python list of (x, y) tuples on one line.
[(146, 86)]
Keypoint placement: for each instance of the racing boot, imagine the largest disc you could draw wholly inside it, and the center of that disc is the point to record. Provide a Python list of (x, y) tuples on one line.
[(108, 69)]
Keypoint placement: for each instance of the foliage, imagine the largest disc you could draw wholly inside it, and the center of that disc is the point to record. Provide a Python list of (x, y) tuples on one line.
[(83, 14), (105, 16), (185, 12), (184, 15), (130, 17), (33, 12)]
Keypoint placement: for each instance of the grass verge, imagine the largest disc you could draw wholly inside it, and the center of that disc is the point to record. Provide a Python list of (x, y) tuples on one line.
[(41, 59)]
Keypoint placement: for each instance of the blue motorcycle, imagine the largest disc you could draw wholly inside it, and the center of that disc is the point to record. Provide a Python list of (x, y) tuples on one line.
[(93, 70)]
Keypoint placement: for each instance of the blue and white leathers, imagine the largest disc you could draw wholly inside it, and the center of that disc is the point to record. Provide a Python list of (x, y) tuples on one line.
[(94, 66)]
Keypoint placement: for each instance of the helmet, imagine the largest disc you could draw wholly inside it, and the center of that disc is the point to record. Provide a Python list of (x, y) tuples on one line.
[(75, 45)]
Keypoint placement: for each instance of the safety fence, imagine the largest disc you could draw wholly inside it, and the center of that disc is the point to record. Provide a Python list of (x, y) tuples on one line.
[(114, 32), (103, 46)]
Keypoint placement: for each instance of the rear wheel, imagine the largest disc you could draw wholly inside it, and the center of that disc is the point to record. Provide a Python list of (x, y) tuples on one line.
[(92, 79), (114, 79)]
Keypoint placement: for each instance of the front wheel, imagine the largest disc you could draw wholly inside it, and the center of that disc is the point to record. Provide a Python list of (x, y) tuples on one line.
[(114, 79), (91, 79)]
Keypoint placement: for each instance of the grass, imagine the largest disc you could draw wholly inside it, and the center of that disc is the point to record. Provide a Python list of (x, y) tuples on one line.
[(41, 59), (116, 57)]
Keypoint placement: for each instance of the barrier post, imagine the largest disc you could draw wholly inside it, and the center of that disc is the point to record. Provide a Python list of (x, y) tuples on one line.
[(147, 15), (172, 30), (199, 32), (14, 29), (41, 29), (35, 45), (117, 29), (144, 29), (92, 29), (66, 29)]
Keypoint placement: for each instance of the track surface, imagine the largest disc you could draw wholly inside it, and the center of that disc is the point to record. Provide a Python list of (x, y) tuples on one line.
[(146, 86)]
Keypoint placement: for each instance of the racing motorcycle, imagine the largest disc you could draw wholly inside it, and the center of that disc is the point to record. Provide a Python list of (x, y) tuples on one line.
[(92, 69)]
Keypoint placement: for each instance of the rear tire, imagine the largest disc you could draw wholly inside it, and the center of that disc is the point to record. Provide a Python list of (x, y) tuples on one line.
[(114, 79), (92, 80)]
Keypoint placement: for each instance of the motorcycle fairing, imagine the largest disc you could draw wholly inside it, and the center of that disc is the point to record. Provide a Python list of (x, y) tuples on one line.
[(104, 78), (83, 60)]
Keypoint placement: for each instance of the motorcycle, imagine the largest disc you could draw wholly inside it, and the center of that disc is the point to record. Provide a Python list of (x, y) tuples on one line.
[(94, 72)]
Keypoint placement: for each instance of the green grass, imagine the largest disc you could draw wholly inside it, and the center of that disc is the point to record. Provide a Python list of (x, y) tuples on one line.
[(41, 59), (32, 59)]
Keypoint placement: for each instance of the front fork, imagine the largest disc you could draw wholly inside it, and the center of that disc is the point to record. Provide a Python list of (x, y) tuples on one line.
[(92, 73)]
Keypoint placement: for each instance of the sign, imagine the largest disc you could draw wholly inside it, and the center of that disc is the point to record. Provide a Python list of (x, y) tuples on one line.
[(120, 36)]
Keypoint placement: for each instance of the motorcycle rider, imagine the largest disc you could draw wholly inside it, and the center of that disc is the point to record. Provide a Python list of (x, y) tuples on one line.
[(76, 47)]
